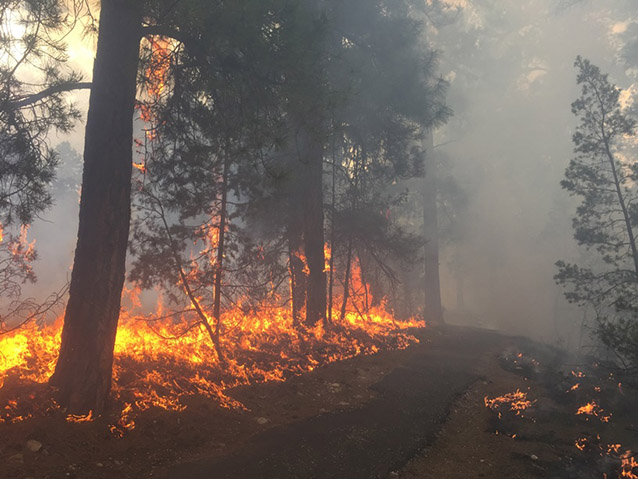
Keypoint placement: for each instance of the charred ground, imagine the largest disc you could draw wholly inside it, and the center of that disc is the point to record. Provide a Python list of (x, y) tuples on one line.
[(366, 417)]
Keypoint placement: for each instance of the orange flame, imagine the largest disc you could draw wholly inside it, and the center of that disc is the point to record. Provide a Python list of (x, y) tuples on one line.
[(629, 465), (581, 443), (153, 372), (593, 409), (517, 401)]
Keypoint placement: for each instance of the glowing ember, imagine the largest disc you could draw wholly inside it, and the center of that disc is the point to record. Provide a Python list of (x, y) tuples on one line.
[(629, 466), (140, 166), (589, 409), (517, 401), (613, 448), (80, 419), (574, 387), (581, 443), (593, 409)]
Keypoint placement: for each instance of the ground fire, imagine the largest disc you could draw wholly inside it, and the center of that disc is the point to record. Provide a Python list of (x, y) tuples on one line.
[(276, 239), (152, 371)]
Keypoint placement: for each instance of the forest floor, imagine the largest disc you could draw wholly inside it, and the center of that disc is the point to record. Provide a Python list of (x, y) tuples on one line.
[(417, 413)]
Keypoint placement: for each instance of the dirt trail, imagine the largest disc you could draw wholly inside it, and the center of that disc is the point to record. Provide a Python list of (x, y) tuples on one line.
[(375, 438)]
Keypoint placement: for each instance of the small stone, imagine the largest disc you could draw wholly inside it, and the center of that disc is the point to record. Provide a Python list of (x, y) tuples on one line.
[(263, 420), (33, 445), (534, 457), (99, 464), (19, 458)]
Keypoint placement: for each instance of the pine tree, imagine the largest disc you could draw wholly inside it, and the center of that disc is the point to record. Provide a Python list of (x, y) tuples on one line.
[(605, 222)]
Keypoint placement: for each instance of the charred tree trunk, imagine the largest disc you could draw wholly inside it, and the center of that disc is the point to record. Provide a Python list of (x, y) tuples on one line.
[(333, 203), (296, 263), (84, 368), (365, 282), (220, 250), (432, 283), (313, 228), (346, 281), (220, 259)]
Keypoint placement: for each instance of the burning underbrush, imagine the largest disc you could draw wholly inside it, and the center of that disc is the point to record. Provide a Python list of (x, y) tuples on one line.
[(160, 365), (585, 415)]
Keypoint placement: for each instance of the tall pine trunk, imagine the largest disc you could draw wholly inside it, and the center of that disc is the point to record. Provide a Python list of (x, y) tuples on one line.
[(432, 283), (296, 263), (346, 281), (84, 368), (333, 205), (219, 266), (313, 227)]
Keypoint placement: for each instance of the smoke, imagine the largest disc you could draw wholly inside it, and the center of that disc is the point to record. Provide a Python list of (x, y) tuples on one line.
[(508, 146), (510, 68)]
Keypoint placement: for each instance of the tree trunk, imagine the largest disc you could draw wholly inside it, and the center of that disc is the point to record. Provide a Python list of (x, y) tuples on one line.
[(432, 283), (84, 368), (333, 203), (296, 263), (313, 228), (220, 258), (623, 205), (346, 281)]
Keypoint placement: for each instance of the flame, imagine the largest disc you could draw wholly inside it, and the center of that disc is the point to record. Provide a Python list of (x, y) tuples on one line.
[(80, 418), (140, 166), (159, 65), (581, 443), (517, 402), (152, 372), (155, 83), (589, 409), (629, 464), (593, 409)]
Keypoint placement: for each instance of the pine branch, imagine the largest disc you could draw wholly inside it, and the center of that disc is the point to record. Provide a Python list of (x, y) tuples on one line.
[(47, 92)]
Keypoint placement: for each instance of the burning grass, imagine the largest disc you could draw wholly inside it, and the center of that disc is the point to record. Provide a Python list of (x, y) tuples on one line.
[(603, 447), (515, 402), (155, 367)]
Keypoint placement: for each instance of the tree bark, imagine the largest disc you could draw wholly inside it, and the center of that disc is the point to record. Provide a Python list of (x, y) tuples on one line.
[(296, 260), (346, 282), (432, 283), (333, 203), (219, 266), (623, 205), (84, 368), (313, 227)]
